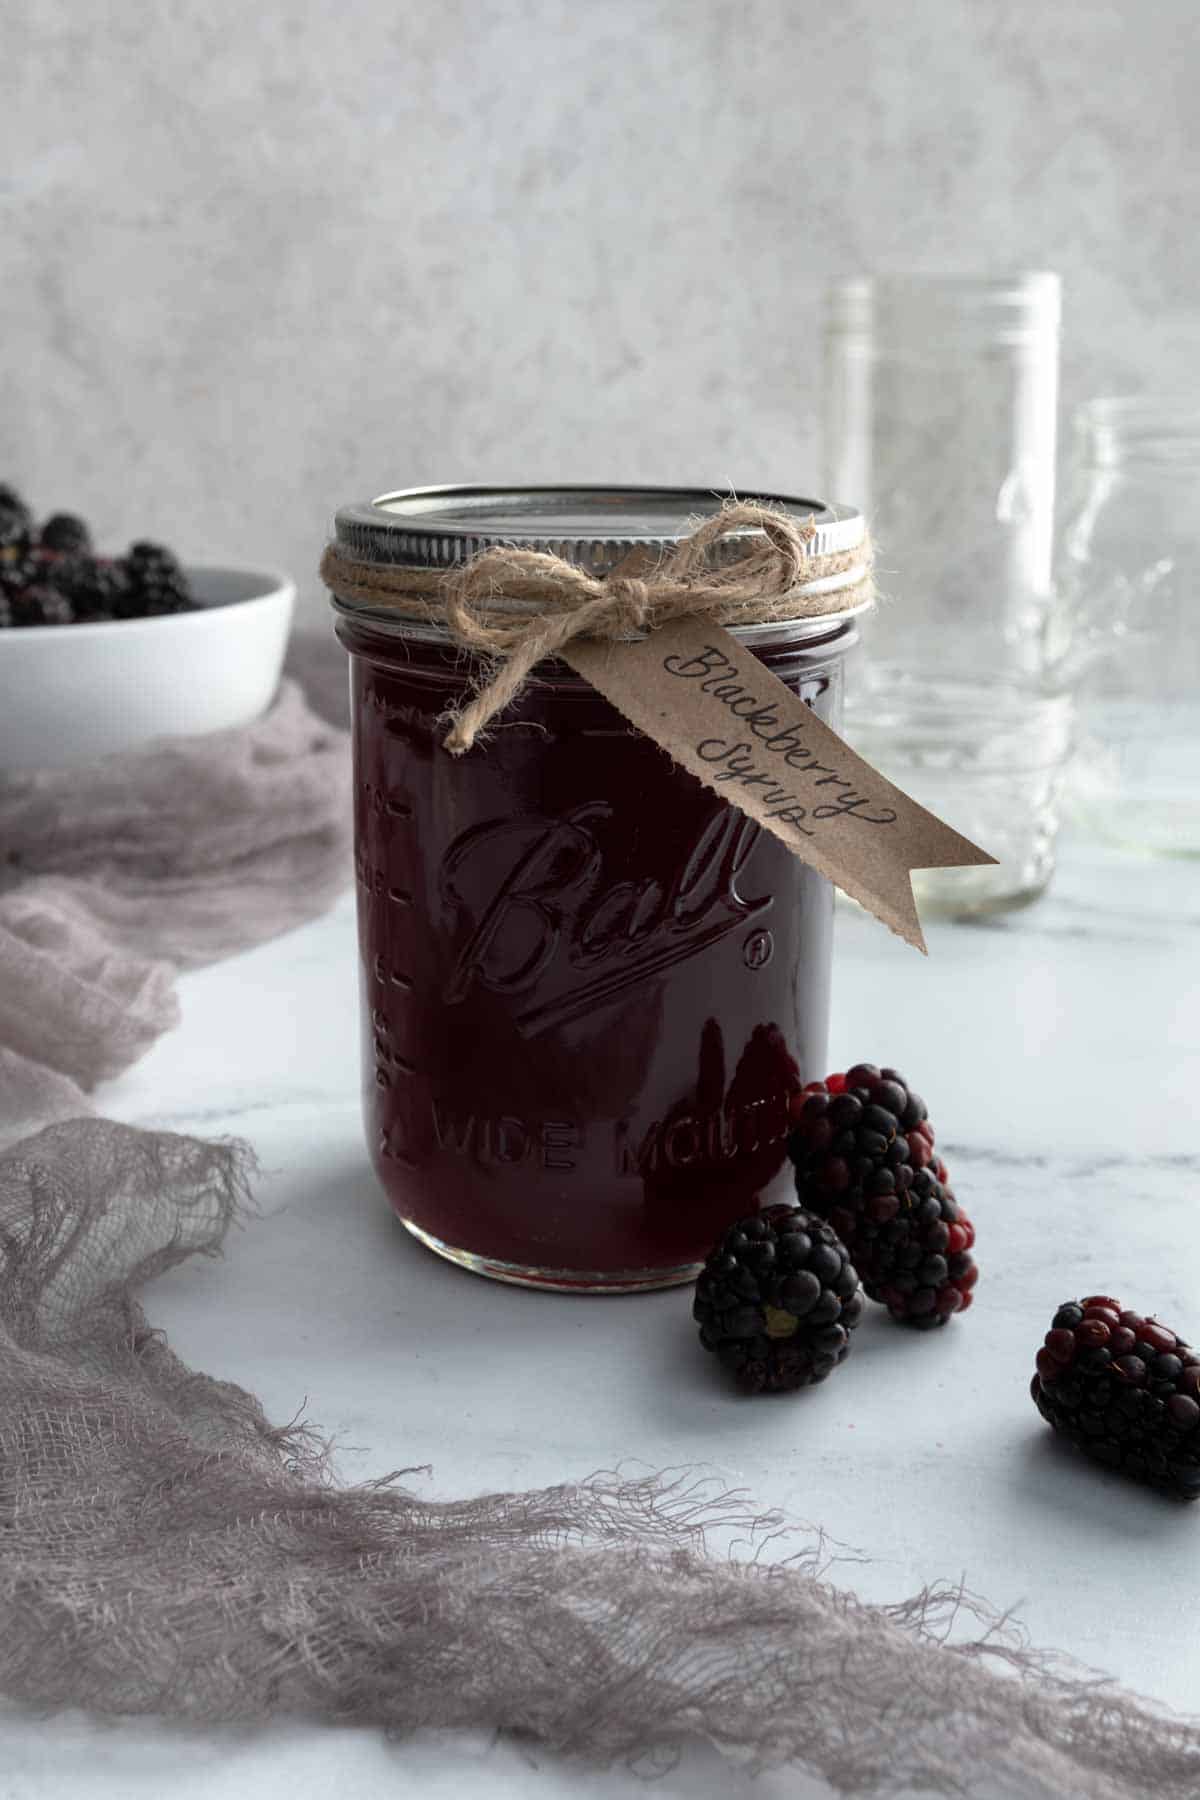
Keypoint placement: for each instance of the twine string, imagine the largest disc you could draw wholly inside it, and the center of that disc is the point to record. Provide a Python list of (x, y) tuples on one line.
[(513, 608)]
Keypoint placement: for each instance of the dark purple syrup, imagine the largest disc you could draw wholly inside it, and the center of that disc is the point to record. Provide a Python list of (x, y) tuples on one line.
[(587, 982)]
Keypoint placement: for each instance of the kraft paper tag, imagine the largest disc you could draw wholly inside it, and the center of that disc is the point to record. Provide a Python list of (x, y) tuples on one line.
[(719, 713)]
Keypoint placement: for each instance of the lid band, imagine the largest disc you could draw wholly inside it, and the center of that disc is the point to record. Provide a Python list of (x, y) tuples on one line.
[(515, 607)]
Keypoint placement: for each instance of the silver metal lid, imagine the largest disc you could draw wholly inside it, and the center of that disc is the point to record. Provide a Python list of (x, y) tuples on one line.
[(595, 528)]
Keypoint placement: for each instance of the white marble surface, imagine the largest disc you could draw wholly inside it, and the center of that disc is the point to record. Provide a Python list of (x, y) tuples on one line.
[(1059, 1050)]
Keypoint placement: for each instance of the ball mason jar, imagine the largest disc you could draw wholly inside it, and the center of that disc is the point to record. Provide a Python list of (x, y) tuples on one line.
[(588, 984)]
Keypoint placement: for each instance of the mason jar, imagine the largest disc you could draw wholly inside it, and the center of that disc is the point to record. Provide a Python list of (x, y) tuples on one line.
[(940, 417), (941, 395), (1129, 630), (589, 986)]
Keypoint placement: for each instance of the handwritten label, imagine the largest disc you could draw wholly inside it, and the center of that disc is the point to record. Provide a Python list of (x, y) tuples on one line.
[(723, 716)]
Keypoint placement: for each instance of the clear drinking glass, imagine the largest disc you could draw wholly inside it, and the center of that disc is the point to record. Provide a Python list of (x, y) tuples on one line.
[(941, 397), (1130, 626)]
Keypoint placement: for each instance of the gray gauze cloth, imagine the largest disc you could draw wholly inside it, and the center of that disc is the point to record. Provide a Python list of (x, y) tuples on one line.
[(165, 1549)]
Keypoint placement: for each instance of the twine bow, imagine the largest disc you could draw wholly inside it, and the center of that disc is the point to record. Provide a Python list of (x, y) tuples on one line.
[(516, 607)]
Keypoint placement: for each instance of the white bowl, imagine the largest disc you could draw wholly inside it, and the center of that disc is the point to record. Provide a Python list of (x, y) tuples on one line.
[(69, 693)]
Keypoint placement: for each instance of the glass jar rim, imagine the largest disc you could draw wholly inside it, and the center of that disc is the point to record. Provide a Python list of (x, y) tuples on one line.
[(1022, 301), (1119, 429)]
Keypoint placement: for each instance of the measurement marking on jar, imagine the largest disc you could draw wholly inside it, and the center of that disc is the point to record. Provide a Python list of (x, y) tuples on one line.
[(408, 723), (390, 1149), (381, 801), (392, 977)]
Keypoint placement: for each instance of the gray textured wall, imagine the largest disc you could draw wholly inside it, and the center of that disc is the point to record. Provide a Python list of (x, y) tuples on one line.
[(261, 258)]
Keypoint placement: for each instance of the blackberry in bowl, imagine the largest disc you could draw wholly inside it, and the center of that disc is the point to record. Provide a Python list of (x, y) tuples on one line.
[(102, 654)]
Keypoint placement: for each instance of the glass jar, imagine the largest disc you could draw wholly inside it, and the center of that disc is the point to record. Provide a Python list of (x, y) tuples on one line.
[(1130, 630), (940, 416), (941, 404), (588, 984)]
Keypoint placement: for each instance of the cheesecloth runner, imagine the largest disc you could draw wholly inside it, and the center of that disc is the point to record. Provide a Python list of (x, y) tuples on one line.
[(164, 1548)]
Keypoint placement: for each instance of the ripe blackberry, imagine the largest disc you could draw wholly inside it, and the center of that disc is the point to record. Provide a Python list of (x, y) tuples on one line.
[(862, 1147), (66, 535), (97, 588), (6, 618), (40, 606), (777, 1300), (1126, 1390), (157, 584), (18, 569), (16, 521), (27, 566)]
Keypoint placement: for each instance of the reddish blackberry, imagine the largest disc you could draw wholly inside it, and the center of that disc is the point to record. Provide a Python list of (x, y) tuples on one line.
[(1126, 1390), (862, 1147), (40, 606), (157, 584), (777, 1300), (65, 535)]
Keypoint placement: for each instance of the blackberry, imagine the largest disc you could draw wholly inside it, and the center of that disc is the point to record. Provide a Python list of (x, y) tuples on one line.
[(1125, 1390), (65, 535), (40, 606), (157, 584), (6, 618), (97, 588), (59, 579), (19, 568), (777, 1300), (16, 521), (31, 568), (862, 1147)]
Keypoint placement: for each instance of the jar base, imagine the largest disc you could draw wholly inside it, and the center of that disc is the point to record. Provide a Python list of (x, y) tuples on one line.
[(558, 1281), (937, 902)]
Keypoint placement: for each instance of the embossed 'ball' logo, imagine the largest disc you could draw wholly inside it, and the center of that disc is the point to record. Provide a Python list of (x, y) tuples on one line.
[(546, 924)]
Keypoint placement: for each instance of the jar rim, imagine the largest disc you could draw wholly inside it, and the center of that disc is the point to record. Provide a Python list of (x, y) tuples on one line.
[(1017, 305), (1155, 427), (594, 526)]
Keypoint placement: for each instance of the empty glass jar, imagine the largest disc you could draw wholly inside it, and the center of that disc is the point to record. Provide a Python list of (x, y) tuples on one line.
[(940, 417)]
